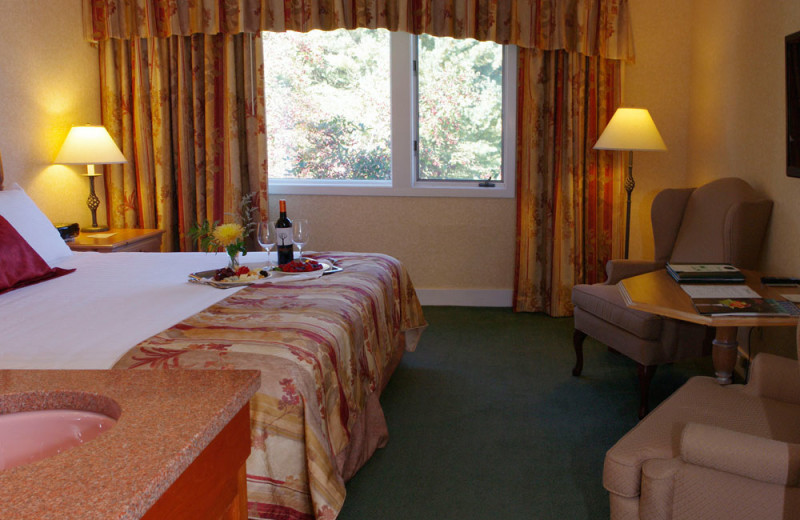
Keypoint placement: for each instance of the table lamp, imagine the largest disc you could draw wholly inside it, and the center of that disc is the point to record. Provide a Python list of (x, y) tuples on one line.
[(630, 129), (90, 145)]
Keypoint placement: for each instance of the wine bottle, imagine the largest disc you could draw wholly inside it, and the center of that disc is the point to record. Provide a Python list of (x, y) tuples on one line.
[(283, 228)]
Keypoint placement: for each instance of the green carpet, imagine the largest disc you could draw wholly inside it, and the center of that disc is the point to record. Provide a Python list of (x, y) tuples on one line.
[(487, 422)]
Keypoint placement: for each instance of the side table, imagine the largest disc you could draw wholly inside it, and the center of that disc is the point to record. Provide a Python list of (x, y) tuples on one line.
[(119, 240), (658, 293)]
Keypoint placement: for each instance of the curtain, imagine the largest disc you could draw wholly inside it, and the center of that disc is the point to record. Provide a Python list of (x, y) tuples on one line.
[(589, 27), (188, 112), (569, 197)]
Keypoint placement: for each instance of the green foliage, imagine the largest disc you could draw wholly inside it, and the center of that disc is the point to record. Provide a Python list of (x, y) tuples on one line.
[(203, 233), (329, 106), (236, 247), (248, 213), (335, 149), (460, 108)]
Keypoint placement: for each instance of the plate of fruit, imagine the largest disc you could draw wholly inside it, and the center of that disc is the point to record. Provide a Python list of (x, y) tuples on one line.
[(227, 277), (301, 266)]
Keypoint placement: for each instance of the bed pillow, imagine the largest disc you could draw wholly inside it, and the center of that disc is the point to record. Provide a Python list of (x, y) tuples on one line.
[(19, 263), (29, 221)]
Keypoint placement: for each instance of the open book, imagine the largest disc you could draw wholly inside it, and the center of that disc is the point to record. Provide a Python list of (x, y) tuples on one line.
[(705, 273)]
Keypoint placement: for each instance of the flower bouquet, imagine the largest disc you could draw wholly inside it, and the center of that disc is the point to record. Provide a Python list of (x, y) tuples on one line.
[(228, 237)]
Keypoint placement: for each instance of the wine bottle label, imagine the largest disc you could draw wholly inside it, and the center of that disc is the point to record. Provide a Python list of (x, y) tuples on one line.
[(284, 236)]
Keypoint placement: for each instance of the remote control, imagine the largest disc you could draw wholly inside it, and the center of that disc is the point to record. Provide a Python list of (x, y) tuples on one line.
[(778, 281)]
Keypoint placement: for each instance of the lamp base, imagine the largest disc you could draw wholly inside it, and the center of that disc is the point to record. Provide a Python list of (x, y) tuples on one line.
[(94, 229)]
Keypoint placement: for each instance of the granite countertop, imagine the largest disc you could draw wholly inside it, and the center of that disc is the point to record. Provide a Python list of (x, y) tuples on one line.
[(165, 418)]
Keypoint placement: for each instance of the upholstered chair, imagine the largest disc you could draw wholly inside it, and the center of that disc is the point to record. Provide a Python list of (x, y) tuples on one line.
[(723, 221), (712, 451)]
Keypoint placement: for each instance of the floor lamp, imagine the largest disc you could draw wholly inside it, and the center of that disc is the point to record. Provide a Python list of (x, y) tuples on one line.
[(630, 129), (90, 145)]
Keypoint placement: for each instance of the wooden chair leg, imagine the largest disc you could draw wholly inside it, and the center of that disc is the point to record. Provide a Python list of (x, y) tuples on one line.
[(645, 374), (577, 343)]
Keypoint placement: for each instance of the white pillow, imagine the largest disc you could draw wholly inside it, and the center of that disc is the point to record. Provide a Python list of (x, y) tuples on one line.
[(29, 221)]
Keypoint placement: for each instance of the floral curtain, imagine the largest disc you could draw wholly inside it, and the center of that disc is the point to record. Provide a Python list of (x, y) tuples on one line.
[(188, 112), (569, 197), (590, 27)]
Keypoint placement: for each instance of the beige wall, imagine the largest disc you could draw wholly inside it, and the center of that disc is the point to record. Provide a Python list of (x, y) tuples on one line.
[(738, 123), (712, 74), (48, 82), (446, 243), (659, 82)]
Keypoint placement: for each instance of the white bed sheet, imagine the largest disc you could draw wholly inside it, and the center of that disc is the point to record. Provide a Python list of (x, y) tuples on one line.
[(90, 318)]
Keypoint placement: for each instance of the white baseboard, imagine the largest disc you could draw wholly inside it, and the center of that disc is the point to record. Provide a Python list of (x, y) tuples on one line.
[(466, 297)]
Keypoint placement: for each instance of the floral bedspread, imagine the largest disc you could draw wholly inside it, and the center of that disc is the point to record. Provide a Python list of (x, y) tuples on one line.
[(325, 347)]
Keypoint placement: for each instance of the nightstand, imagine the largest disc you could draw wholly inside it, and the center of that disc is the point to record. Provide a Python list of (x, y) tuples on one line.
[(119, 240)]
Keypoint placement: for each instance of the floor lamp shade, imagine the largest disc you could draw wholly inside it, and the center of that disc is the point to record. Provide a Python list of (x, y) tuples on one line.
[(90, 145), (630, 129)]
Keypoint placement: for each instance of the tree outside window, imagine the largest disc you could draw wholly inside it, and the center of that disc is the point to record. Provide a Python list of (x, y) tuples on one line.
[(329, 107)]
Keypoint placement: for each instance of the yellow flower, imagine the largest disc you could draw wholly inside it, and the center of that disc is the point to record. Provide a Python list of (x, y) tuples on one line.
[(227, 234)]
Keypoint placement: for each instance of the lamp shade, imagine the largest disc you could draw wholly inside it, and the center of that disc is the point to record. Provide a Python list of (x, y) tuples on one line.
[(631, 129), (89, 145)]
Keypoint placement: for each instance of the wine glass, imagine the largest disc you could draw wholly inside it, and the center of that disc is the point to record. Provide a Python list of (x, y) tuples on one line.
[(266, 237), (301, 233)]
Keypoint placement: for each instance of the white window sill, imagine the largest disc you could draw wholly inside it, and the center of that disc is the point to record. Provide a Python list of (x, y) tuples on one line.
[(385, 189)]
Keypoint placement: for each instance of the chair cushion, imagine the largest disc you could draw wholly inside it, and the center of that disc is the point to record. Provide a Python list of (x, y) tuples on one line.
[(605, 302), (701, 400)]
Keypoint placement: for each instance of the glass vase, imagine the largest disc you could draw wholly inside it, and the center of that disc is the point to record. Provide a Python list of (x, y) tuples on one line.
[(233, 261)]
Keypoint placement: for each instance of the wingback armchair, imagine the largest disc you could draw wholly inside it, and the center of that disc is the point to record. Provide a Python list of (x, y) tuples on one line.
[(723, 221), (712, 451)]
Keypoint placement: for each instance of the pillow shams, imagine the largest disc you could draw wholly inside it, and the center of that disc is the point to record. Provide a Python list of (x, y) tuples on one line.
[(19, 263), (34, 227)]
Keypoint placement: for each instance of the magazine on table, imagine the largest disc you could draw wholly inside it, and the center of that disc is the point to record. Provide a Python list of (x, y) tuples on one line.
[(745, 307), (705, 273)]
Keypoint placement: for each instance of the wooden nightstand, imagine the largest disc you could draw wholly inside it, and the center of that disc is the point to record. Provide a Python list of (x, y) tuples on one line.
[(119, 240)]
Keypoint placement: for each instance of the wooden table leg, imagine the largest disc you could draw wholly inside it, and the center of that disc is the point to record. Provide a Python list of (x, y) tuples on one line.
[(723, 353)]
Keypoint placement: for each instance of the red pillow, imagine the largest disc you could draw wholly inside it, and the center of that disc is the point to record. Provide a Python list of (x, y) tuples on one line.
[(20, 265)]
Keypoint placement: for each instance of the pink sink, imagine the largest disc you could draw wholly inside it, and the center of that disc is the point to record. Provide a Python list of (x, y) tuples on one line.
[(26, 437)]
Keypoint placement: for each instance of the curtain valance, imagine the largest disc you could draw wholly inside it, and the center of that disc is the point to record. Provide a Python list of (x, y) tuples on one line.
[(590, 27)]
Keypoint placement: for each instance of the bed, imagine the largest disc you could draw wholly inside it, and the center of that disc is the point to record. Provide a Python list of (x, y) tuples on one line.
[(325, 347)]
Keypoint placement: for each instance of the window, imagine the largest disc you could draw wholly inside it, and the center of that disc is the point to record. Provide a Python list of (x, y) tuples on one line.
[(379, 113), (328, 102)]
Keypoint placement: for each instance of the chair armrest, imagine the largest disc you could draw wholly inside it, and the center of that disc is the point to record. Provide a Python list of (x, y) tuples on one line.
[(617, 270), (757, 458), (774, 377)]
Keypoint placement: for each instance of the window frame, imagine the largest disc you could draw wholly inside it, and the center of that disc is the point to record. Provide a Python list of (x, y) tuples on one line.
[(404, 181)]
